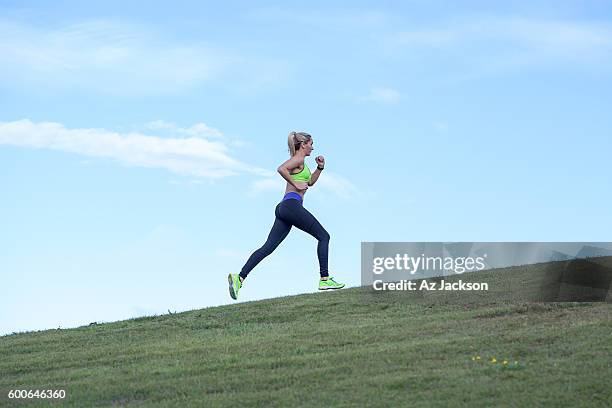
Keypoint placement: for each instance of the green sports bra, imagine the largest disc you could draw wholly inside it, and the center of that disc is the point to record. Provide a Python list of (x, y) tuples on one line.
[(302, 176)]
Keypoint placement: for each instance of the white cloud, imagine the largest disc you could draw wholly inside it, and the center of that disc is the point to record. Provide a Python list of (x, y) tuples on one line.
[(104, 56), (188, 182), (268, 184), (335, 184), (488, 44), (122, 59), (562, 38), (322, 19), (194, 156), (197, 130), (382, 95), (441, 126), (556, 36)]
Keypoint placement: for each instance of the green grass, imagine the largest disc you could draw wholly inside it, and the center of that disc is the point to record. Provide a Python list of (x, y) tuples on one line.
[(345, 348)]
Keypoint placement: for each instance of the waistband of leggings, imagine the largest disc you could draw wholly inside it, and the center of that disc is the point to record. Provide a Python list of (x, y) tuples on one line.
[(292, 196)]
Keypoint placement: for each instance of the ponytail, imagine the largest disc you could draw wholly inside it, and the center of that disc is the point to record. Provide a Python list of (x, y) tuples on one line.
[(295, 141)]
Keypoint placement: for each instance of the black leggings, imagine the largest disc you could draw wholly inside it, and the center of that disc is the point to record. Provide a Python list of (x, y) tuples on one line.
[(288, 213)]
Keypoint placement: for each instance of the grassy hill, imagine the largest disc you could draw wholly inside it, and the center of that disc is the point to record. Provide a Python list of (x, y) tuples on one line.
[(346, 348)]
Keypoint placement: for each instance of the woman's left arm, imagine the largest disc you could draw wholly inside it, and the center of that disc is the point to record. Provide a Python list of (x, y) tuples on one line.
[(320, 166)]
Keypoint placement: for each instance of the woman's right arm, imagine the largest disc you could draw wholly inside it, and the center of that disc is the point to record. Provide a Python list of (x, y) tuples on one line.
[(284, 170)]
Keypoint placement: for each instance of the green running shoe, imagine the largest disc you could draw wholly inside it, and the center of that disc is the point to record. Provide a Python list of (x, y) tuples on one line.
[(234, 285), (330, 283)]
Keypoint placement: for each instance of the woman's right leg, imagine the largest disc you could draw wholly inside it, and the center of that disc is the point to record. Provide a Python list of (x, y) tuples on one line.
[(279, 232), (295, 213)]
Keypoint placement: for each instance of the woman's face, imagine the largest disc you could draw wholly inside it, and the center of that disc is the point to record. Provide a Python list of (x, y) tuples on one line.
[(308, 147)]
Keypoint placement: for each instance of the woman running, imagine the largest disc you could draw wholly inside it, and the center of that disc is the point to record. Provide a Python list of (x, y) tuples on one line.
[(290, 212)]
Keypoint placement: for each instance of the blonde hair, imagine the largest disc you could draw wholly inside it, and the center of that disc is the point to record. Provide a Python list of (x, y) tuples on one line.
[(295, 141)]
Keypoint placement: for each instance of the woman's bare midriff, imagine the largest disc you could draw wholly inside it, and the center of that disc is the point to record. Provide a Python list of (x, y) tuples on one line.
[(291, 189)]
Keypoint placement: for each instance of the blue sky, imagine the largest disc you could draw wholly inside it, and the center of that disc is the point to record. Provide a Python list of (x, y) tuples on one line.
[(139, 141)]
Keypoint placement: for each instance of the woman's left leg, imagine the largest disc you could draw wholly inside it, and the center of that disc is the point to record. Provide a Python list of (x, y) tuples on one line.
[(277, 234)]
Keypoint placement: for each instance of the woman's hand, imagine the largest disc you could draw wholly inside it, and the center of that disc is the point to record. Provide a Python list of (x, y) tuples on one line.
[(320, 161)]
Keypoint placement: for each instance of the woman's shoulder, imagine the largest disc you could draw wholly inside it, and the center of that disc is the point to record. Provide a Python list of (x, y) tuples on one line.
[(298, 166), (298, 162)]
